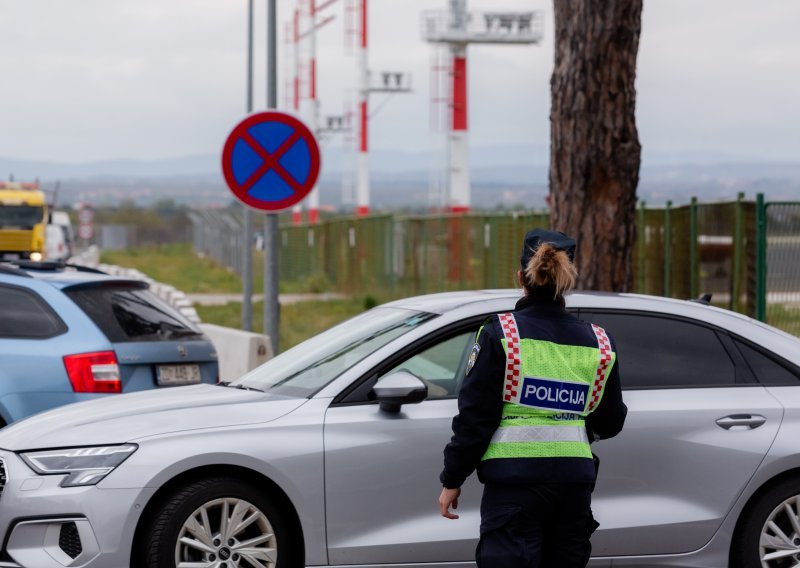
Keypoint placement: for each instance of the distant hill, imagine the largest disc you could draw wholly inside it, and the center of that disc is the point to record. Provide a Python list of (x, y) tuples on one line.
[(501, 176)]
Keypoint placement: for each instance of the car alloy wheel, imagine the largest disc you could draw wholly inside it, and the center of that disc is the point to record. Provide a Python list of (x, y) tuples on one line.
[(226, 532), (768, 535), (779, 544), (216, 522)]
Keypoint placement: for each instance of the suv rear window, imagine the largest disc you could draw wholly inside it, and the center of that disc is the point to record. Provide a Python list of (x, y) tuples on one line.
[(131, 313)]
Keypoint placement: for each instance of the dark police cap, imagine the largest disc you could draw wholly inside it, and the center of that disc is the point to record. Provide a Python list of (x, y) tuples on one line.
[(536, 237)]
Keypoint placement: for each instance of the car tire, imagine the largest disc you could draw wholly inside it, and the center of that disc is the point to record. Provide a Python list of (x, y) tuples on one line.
[(769, 521), (192, 526)]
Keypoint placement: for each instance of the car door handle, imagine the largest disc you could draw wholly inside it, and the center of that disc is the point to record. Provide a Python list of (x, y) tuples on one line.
[(741, 421)]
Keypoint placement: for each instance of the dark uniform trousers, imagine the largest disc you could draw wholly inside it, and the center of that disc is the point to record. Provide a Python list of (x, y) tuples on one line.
[(542, 525)]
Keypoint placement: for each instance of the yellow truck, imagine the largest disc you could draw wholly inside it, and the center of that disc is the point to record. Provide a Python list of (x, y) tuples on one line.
[(23, 216)]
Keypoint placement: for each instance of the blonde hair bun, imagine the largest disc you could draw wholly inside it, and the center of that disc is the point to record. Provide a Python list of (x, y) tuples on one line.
[(550, 267)]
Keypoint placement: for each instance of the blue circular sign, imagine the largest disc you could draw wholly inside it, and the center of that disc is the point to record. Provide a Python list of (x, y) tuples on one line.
[(271, 161)]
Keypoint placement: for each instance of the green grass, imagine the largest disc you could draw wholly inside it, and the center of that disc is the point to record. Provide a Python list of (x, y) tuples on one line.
[(298, 321), (177, 264)]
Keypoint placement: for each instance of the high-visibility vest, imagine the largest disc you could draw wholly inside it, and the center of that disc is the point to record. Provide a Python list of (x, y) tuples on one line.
[(548, 391)]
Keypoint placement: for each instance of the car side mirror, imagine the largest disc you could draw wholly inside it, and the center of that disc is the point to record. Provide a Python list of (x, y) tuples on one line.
[(398, 389)]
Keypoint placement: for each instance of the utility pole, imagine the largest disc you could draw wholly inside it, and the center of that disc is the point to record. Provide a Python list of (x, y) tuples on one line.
[(247, 249)]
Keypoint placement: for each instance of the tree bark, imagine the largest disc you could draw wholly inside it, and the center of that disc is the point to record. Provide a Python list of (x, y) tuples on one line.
[(595, 151)]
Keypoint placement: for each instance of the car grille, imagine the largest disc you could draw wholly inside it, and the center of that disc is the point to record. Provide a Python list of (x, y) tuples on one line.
[(3, 477), (69, 540)]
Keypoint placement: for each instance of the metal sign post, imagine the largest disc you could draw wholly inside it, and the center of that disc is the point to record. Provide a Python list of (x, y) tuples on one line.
[(271, 305), (271, 161)]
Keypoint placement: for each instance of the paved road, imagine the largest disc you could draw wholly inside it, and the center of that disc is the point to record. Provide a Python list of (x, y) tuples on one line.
[(221, 299)]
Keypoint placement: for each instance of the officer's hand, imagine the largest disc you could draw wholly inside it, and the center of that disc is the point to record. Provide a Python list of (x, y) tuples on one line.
[(446, 499)]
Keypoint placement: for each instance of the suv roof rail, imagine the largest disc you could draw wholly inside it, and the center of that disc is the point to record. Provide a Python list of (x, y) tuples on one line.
[(22, 265), (7, 268)]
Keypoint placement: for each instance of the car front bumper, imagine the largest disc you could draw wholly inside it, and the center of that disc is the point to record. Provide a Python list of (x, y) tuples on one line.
[(43, 525)]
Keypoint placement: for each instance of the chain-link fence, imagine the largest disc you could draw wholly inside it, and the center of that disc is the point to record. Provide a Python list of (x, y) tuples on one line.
[(218, 234), (782, 260), (681, 252), (407, 255)]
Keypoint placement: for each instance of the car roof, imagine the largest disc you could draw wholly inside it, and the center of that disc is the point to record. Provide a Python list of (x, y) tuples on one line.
[(498, 300), (67, 277), (444, 302)]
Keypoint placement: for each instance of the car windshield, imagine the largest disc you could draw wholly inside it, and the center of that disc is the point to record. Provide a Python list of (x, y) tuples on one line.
[(306, 368), (21, 216)]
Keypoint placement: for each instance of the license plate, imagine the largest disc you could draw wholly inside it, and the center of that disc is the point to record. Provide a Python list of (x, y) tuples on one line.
[(10, 256), (173, 375)]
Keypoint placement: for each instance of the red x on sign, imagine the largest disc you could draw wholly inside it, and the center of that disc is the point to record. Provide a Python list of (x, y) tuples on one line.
[(271, 161)]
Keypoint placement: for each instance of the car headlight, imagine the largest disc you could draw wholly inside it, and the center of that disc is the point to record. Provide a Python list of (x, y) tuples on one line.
[(84, 466)]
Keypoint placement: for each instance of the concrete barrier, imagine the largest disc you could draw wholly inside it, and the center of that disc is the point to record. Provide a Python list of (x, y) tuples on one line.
[(238, 351)]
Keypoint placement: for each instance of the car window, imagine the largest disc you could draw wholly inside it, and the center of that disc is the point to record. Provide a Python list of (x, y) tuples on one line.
[(768, 369), (132, 314), (24, 314), (662, 352), (440, 366)]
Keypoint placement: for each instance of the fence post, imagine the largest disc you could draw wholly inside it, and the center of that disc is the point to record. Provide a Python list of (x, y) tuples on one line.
[(640, 277), (667, 248), (761, 258), (694, 264), (738, 250)]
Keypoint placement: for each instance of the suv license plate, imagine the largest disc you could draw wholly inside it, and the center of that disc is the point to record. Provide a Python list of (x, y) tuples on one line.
[(173, 375)]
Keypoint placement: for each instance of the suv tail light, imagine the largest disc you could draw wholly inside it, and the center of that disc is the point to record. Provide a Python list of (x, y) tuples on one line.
[(94, 372)]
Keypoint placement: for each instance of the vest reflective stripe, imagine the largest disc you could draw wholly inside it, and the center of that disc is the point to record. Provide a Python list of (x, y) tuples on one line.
[(540, 434), (604, 363), (538, 450), (548, 390), (511, 386)]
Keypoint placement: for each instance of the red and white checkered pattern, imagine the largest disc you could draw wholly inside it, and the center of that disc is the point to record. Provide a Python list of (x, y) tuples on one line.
[(602, 366), (513, 364)]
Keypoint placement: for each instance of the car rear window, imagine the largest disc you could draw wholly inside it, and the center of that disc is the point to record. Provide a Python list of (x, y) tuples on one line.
[(130, 313)]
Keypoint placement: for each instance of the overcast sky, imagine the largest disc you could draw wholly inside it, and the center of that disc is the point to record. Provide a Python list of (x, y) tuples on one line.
[(85, 80)]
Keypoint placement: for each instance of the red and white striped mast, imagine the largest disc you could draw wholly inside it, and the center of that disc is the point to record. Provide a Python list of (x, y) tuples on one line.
[(458, 145), (297, 210), (310, 111), (362, 164), (457, 29)]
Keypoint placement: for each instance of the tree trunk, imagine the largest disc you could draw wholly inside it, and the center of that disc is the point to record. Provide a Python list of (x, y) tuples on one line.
[(595, 151)]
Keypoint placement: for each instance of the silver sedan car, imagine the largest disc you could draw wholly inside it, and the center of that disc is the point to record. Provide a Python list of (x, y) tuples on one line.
[(329, 454)]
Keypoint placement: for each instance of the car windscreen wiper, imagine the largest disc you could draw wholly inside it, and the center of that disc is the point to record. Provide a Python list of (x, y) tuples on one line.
[(172, 330), (238, 386)]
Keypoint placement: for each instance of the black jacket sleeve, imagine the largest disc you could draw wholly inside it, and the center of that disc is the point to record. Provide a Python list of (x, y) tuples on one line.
[(480, 406), (607, 420)]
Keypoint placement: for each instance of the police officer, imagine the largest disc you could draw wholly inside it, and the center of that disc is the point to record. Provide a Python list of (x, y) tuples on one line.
[(540, 386)]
